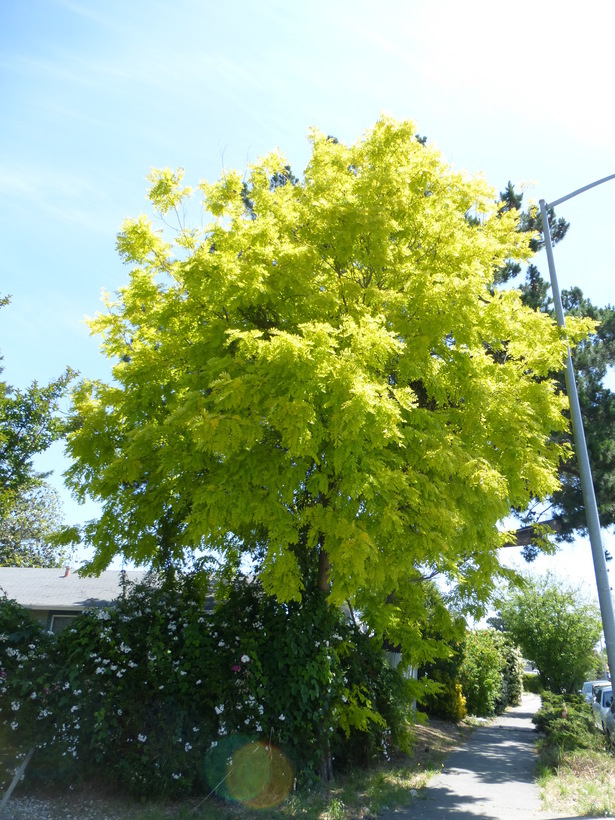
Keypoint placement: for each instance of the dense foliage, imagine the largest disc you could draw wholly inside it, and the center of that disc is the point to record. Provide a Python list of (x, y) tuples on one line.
[(557, 629), (491, 673), (482, 675), (573, 731), (325, 380), (158, 693)]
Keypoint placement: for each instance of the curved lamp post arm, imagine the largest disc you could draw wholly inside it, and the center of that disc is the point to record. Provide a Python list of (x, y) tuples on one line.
[(587, 484)]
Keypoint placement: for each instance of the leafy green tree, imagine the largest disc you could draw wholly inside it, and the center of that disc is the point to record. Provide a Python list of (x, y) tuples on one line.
[(556, 628), (324, 380), (29, 528), (30, 421)]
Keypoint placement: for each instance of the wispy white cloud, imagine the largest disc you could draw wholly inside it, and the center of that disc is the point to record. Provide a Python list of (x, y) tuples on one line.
[(70, 198)]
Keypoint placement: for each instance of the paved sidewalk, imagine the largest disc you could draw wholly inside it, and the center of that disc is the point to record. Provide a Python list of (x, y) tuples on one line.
[(490, 777)]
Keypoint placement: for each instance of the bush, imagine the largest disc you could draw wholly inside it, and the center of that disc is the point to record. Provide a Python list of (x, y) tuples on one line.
[(481, 672), (156, 694), (532, 683), (576, 731), (448, 703), (511, 686)]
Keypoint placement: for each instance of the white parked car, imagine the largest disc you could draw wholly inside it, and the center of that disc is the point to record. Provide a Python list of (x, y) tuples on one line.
[(603, 697), (609, 725), (588, 686)]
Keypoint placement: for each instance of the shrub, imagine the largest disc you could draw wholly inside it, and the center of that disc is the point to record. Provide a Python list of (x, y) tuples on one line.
[(511, 687), (491, 672), (532, 683), (481, 672), (157, 693), (448, 703), (576, 731)]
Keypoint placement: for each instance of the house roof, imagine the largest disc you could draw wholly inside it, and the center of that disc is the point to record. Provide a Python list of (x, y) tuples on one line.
[(35, 588)]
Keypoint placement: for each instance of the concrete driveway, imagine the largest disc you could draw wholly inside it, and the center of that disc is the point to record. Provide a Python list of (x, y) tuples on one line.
[(490, 777)]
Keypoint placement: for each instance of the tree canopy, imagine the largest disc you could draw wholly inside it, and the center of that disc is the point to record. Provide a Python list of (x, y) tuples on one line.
[(324, 379), (30, 422), (556, 628), (29, 529)]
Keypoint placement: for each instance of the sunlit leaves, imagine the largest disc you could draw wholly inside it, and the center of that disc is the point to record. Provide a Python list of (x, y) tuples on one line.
[(328, 369)]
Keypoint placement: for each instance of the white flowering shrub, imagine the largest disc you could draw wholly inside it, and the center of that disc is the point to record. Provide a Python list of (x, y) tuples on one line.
[(155, 693)]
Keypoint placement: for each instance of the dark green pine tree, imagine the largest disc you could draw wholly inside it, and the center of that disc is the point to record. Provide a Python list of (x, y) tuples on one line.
[(592, 360)]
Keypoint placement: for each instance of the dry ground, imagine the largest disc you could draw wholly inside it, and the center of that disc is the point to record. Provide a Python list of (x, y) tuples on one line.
[(358, 796)]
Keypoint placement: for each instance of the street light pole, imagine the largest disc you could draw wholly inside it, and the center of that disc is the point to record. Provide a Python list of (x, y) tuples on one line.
[(587, 484)]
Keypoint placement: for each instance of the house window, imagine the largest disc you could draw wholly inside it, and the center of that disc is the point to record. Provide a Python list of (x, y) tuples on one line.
[(60, 622)]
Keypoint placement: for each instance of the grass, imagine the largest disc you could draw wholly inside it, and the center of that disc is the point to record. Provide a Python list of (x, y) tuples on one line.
[(582, 783)]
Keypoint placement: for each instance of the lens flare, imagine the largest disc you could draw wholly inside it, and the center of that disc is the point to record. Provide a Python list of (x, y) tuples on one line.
[(253, 773)]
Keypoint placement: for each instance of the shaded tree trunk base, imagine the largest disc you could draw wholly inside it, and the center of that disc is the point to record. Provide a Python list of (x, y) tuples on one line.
[(326, 766)]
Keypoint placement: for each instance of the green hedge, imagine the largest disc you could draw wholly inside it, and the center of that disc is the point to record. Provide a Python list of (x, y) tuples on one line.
[(532, 683), (156, 694), (575, 731)]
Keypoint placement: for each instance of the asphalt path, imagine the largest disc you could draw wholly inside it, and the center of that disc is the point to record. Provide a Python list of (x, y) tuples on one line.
[(491, 776)]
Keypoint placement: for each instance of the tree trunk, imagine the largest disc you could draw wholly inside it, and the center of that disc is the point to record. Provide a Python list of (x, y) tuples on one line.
[(326, 764), (324, 569)]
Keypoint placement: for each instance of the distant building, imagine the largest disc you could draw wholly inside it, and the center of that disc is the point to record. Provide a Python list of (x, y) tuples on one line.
[(55, 597)]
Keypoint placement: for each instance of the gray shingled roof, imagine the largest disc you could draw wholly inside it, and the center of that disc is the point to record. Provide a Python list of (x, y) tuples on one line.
[(50, 589)]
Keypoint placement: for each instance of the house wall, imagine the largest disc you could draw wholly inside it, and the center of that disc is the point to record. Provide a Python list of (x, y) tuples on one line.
[(53, 620)]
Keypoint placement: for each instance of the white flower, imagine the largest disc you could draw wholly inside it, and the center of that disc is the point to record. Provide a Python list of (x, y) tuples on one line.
[(33, 696), (187, 747), (74, 708), (100, 670), (142, 738), (183, 672), (14, 725), (221, 643), (195, 729), (176, 776), (245, 659), (15, 706), (259, 728), (282, 717), (218, 709), (198, 682), (213, 743)]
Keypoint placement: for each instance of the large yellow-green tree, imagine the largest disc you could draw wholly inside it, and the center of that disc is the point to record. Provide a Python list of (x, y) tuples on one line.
[(324, 378)]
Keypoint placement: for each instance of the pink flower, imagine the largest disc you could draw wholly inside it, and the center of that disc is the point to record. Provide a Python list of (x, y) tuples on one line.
[(236, 668)]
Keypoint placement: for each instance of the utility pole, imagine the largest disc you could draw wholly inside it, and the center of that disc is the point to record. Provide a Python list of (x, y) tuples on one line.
[(587, 484)]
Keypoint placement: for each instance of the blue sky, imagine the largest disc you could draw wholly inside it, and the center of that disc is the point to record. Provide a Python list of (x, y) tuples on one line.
[(95, 94)]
